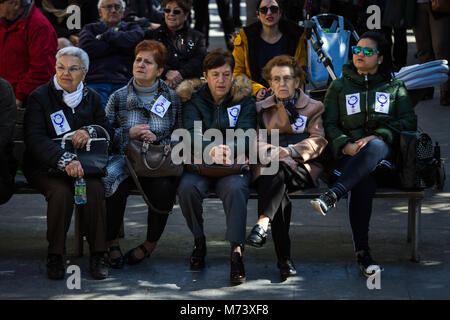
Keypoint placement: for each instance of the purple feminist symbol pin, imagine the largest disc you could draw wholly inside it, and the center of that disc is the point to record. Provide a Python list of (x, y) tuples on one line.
[(234, 113), (382, 99), (159, 108), (299, 123), (352, 101)]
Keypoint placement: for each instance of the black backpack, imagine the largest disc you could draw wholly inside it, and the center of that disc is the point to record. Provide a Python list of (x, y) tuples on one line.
[(419, 164)]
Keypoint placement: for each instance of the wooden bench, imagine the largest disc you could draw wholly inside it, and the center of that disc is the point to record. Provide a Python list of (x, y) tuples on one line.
[(413, 227)]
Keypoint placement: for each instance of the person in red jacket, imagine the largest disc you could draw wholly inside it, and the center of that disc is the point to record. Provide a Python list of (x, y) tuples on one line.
[(28, 45)]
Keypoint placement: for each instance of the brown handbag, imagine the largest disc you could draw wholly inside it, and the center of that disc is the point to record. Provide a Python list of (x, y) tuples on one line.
[(217, 170), (440, 6), (151, 159)]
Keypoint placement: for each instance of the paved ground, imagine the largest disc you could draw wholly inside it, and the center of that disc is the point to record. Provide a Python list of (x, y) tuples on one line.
[(322, 250)]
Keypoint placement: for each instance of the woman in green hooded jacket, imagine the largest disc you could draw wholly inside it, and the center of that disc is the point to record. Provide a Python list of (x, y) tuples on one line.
[(364, 111)]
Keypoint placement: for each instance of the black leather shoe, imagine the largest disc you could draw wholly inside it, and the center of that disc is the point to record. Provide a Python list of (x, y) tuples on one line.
[(197, 261), (55, 267), (237, 272), (257, 237), (287, 269), (115, 263), (131, 259), (98, 266)]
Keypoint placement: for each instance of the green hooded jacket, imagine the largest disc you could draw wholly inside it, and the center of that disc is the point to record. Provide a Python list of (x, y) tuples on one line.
[(357, 106)]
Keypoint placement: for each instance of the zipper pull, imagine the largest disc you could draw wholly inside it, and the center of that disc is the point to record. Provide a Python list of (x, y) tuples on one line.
[(366, 80)]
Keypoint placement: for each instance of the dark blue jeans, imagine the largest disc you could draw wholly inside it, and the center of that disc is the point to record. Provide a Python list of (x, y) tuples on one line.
[(357, 175)]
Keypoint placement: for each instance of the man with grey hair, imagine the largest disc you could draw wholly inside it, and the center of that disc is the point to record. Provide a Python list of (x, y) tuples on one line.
[(28, 45), (110, 45)]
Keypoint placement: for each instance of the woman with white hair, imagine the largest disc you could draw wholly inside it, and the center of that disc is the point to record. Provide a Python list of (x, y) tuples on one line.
[(63, 105)]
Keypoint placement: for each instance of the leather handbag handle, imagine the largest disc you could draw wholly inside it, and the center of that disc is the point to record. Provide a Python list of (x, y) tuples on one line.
[(144, 151)]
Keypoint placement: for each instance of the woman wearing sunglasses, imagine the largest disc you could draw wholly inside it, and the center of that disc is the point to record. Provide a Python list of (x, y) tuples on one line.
[(363, 111), (269, 37), (186, 46)]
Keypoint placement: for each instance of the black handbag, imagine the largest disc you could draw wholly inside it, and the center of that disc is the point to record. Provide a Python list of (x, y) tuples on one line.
[(93, 156), (419, 163)]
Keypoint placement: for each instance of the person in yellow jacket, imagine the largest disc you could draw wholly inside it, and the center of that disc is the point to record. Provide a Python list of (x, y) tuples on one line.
[(269, 37)]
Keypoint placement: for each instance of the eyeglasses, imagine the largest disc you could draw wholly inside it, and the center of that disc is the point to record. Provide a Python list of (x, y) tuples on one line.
[(70, 70), (273, 9), (366, 51), (285, 79), (174, 11), (118, 7)]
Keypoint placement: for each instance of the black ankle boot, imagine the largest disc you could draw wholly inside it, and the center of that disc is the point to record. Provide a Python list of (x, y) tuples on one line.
[(198, 254)]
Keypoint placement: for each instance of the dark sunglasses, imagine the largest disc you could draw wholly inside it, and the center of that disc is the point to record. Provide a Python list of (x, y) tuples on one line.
[(273, 9), (366, 51), (175, 11)]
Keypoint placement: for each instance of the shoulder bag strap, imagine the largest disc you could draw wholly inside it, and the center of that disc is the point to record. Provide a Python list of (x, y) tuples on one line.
[(138, 185)]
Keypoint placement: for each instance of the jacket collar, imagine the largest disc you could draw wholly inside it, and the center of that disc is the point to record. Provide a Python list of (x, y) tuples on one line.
[(349, 72), (302, 101), (24, 16)]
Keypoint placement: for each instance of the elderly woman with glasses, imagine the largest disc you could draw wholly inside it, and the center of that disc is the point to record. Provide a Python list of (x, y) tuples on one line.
[(364, 111), (269, 37), (186, 46), (110, 44), (65, 105), (301, 140)]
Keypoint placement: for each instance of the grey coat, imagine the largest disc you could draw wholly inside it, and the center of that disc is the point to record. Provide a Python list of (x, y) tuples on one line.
[(124, 111)]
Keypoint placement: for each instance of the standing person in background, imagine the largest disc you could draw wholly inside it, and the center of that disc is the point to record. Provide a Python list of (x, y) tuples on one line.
[(250, 10), (237, 13), (110, 44), (431, 31), (394, 19), (56, 12), (202, 19), (270, 36), (8, 165), (28, 45)]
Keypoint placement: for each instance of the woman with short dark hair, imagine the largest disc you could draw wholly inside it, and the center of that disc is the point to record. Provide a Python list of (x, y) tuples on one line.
[(364, 111), (130, 112), (211, 104)]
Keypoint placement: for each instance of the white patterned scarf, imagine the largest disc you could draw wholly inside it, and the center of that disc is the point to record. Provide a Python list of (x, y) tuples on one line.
[(71, 99)]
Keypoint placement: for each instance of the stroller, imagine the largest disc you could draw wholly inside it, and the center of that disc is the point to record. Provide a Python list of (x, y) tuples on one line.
[(329, 38)]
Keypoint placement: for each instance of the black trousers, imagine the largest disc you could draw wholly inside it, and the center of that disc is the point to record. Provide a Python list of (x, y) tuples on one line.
[(274, 202), (202, 18), (360, 211), (400, 45), (161, 194), (59, 193)]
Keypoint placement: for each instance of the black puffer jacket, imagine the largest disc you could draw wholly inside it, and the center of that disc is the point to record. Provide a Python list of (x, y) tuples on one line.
[(186, 48), (41, 151)]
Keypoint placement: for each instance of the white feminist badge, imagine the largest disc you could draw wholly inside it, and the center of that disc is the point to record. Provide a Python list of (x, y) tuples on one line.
[(160, 106), (233, 114), (352, 102), (299, 125), (59, 122), (382, 102)]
